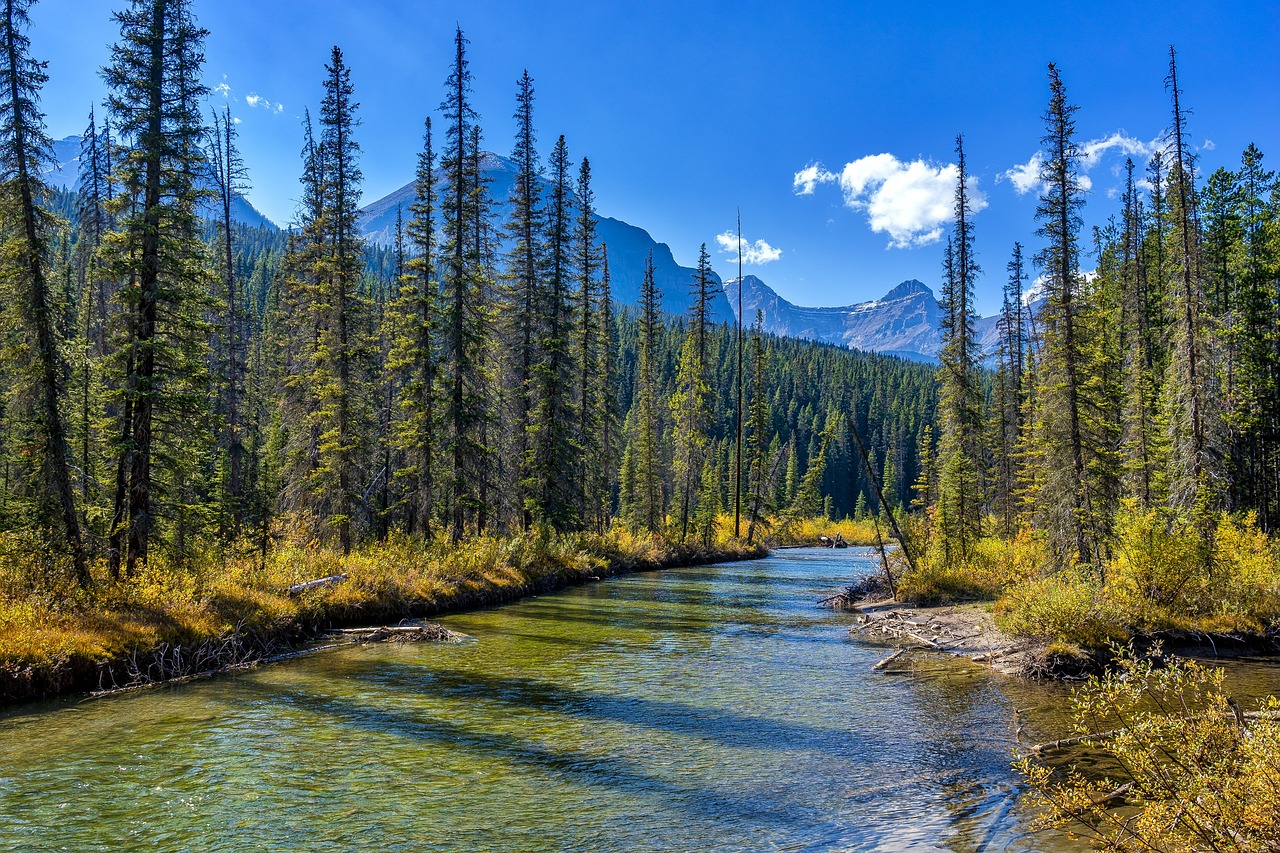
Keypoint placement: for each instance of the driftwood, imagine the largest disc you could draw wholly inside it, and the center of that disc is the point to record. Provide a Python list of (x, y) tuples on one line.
[(427, 632), (299, 588), (1063, 743), (888, 660)]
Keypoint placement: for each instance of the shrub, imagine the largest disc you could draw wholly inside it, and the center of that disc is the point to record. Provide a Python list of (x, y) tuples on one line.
[(1196, 772)]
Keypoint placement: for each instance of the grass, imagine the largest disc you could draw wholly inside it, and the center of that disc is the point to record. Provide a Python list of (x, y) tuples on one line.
[(54, 638)]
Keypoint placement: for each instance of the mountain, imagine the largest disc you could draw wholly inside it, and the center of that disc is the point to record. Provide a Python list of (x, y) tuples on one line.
[(65, 173), (628, 246), (906, 321)]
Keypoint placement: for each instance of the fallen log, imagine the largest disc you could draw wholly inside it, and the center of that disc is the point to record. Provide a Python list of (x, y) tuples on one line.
[(888, 660), (299, 588)]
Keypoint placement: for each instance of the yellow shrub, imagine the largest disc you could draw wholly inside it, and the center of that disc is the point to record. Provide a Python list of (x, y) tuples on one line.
[(1064, 607)]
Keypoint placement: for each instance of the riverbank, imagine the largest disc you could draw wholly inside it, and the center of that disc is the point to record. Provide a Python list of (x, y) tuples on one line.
[(170, 622), (970, 630)]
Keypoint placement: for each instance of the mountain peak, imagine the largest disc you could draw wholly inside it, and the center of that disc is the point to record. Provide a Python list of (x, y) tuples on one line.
[(910, 287)]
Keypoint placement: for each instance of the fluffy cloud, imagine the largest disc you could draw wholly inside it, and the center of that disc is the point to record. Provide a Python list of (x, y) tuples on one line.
[(756, 253), (1025, 177), (910, 202), (809, 177)]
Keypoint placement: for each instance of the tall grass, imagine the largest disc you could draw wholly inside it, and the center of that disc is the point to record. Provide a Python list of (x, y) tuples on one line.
[(51, 633)]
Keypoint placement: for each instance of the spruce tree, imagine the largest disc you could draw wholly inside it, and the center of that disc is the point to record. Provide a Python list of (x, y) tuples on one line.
[(1062, 500), (556, 454), (464, 318), (960, 486), (156, 92), (526, 229), (649, 506), (24, 149)]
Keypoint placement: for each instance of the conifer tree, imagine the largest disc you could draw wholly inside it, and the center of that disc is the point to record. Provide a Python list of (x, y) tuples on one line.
[(343, 421), (1063, 494), (759, 466), (556, 454), (1195, 480), (24, 149), (154, 76), (587, 258), (525, 267), (648, 508), (413, 354), (463, 319), (960, 423), (691, 403), (230, 180)]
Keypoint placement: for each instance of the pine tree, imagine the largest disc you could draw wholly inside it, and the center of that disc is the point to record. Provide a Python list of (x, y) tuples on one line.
[(154, 76), (587, 258), (1063, 494), (1195, 481), (690, 405), (759, 488), (230, 180), (24, 149), (960, 423), (649, 505), (343, 421), (464, 318), (525, 267), (556, 454), (413, 354)]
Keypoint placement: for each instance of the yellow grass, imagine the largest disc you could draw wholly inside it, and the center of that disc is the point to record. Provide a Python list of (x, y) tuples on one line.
[(48, 628)]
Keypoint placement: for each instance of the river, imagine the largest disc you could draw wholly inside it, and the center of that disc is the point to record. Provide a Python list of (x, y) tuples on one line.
[(708, 708)]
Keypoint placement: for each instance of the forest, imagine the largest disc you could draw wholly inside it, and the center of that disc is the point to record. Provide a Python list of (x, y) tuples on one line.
[(200, 417), (203, 413)]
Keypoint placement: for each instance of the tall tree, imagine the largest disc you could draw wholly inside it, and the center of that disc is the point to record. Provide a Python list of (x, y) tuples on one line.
[(556, 453), (230, 179), (156, 93), (525, 266), (1195, 480), (960, 487), (1064, 490), (24, 149), (413, 355), (463, 316), (645, 450)]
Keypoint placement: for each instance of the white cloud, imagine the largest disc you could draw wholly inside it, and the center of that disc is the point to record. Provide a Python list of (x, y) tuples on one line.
[(253, 99), (223, 89), (809, 177), (908, 201), (1091, 152), (1025, 177), (1209, 145), (756, 253)]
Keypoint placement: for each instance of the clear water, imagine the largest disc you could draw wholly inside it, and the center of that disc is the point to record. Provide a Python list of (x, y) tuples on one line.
[(710, 708)]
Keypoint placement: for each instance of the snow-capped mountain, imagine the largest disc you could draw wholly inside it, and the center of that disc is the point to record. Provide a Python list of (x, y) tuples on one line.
[(905, 321), (628, 246)]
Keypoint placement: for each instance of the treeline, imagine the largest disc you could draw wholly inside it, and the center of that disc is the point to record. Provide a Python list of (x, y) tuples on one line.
[(180, 382), (1144, 396)]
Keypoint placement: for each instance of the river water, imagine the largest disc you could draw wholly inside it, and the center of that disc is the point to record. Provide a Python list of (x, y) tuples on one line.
[(708, 708)]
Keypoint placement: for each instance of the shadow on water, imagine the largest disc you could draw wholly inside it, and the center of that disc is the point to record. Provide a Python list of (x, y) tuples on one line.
[(677, 717), (578, 767)]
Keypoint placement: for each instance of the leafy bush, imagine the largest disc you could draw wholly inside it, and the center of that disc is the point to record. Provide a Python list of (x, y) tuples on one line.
[(1196, 771)]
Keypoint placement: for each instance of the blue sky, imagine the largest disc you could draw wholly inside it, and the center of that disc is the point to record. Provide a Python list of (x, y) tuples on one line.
[(688, 114)]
